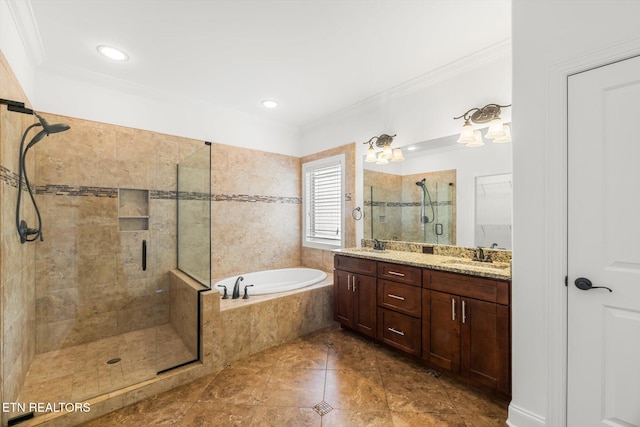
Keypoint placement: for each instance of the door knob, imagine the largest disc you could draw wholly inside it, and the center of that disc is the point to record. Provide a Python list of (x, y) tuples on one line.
[(585, 284)]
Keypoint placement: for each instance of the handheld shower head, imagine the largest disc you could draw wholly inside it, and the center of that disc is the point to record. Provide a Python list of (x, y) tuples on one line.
[(49, 129), (32, 234), (421, 183)]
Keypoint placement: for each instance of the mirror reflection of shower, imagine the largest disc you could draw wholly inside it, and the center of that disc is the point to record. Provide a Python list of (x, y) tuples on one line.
[(397, 210), (424, 219)]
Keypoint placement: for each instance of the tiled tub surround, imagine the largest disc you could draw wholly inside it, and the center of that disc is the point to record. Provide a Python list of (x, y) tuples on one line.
[(255, 212), (264, 321)]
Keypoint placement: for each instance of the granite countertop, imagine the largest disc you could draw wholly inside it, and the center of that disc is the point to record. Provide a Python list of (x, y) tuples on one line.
[(493, 270)]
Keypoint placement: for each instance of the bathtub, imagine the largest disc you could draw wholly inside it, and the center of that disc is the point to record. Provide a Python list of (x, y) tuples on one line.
[(274, 281)]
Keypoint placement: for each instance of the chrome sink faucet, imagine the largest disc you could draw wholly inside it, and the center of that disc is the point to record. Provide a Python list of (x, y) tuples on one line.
[(378, 245), (236, 288)]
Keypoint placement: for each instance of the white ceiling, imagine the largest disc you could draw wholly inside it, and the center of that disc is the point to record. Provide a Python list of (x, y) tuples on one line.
[(314, 57)]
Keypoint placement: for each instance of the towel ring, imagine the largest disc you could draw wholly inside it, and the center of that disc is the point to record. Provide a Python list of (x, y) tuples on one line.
[(357, 213)]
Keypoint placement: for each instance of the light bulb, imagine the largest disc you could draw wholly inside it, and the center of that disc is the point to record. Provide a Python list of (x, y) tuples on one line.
[(466, 134), (371, 155), (397, 155), (477, 141), (496, 129), (506, 137)]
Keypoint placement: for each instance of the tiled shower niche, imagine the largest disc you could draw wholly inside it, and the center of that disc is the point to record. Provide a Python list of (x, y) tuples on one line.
[(133, 209)]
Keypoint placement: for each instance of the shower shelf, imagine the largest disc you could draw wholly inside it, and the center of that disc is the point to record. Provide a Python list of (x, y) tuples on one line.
[(133, 209)]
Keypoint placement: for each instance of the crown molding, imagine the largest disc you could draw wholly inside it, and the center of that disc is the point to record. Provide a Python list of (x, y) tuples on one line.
[(467, 63), (22, 14)]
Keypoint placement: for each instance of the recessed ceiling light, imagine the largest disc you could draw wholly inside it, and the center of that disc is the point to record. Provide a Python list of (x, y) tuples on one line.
[(113, 53), (412, 148), (269, 103)]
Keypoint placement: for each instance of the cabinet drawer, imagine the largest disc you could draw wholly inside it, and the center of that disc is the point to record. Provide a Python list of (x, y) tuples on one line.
[(400, 331), (355, 265), (400, 273), (468, 286), (400, 297)]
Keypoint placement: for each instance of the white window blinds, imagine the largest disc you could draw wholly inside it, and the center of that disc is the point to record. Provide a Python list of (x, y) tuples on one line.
[(323, 203)]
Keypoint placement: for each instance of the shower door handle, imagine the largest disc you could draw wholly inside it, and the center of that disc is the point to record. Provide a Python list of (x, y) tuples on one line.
[(144, 255), (439, 229)]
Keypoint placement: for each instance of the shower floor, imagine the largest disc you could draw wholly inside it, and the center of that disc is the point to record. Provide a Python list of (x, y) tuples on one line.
[(73, 374)]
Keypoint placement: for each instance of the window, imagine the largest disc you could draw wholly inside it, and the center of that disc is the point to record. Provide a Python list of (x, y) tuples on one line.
[(323, 203)]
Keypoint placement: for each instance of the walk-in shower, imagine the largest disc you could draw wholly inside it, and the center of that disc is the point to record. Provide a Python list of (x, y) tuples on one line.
[(32, 234), (90, 313)]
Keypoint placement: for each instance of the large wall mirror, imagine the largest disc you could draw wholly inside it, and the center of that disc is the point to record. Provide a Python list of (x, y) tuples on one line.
[(494, 195), (432, 196)]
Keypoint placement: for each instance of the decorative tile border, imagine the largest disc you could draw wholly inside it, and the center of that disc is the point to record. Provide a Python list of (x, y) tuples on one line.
[(67, 190), (254, 198), (406, 204), (10, 178)]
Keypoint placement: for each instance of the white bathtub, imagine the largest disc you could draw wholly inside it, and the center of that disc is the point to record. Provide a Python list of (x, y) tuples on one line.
[(273, 281)]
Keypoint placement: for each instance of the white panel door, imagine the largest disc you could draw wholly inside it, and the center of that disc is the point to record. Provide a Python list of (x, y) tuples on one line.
[(604, 246)]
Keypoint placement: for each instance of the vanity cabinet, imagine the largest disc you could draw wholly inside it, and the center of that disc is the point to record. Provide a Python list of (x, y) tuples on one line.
[(455, 322), (466, 328), (400, 306), (354, 295)]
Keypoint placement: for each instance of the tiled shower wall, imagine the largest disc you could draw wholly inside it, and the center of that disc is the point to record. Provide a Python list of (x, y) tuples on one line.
[(17, 261), (89, 278)]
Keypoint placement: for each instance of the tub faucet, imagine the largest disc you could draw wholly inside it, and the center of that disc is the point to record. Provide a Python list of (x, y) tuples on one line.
[(236, 288)]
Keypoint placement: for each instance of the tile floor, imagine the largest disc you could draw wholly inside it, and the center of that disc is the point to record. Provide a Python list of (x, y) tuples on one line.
[(328, 378), (73, 374)]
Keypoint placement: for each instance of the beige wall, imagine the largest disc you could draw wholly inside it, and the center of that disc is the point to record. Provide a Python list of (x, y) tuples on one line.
[(17, 261), (323, 259)]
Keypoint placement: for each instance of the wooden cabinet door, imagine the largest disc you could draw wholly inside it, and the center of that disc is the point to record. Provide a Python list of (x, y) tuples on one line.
[(364, 288), (441, 329), (484, 343), (343, 298)]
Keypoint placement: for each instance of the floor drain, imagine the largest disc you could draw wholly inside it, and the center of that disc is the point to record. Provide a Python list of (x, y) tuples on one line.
[(322, 408), (113, 361)]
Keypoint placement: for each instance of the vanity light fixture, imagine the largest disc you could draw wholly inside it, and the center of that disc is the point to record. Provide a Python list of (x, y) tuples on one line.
[(112, 53), (490, 113), (387, 154)]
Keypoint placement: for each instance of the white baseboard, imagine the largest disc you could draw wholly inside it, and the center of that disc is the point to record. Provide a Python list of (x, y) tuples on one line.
[(519, 417)]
